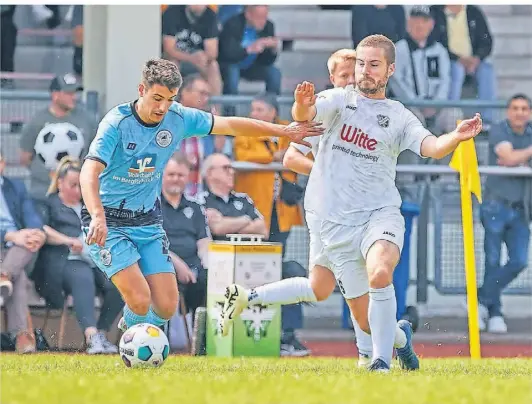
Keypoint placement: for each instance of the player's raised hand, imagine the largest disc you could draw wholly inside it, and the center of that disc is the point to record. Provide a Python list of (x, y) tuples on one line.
[(469, 128), (97, 231), (297, 131), (304, 94)]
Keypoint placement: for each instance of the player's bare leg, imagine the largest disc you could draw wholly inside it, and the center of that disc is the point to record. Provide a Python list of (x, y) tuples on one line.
[(136, 294), (164, 297), (318, 287), (381, 260)]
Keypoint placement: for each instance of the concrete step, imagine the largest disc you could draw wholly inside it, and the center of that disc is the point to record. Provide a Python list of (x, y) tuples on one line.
[(43, 59), (515, 67), (512, 45), (512, 24), (507, 87), (314, 23)]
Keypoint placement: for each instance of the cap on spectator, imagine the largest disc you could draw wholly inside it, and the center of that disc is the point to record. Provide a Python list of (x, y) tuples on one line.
[(270, 99), (420, 11), (67, 82)]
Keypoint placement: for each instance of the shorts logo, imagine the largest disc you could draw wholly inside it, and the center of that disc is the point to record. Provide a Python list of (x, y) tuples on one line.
[(238, 205), (383, 121), (341, 286), (188, 212), (387, 233), (163, 138), (106, 257)]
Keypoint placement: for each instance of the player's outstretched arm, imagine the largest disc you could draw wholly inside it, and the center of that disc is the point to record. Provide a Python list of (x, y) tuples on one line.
[(441, 146), (304, 108), (90, 192), (237, 126), (297, 161)]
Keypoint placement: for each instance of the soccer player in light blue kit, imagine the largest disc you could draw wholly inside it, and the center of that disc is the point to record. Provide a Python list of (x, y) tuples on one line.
[(121, 184)]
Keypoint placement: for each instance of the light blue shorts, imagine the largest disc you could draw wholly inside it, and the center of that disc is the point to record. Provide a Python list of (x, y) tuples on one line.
[(147, 245)]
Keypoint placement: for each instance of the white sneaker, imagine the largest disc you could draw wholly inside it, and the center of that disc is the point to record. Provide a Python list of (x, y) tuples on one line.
[(236, 300), (363, 361), (497, 325)]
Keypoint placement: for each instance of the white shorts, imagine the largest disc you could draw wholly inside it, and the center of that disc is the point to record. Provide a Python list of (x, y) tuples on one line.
[(344, 248)]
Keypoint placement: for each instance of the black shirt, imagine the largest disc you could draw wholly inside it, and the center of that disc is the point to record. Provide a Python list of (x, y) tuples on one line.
[(189, 35), (237, 204), (184, 226)]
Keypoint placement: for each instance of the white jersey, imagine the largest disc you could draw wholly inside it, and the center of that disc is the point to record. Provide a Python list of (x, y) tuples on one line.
[(355, 166)]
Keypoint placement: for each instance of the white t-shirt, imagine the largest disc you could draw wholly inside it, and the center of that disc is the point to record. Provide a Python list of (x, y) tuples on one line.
[(355, 163)]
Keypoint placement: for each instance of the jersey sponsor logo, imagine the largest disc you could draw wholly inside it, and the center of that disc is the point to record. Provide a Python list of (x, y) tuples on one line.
[(163, 138), (143, 164), (383, 121), (357, 137)]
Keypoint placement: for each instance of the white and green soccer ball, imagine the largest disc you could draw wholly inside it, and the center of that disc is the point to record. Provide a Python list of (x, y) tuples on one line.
[(144, 345)]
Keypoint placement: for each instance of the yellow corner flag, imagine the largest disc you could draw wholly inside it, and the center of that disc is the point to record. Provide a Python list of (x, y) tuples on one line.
[(464, 161)]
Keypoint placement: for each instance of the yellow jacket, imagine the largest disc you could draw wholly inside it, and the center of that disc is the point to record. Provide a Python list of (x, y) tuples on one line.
[(259, 185)]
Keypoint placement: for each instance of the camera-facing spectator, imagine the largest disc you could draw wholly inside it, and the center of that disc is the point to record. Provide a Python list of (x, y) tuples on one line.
[(190, 38), (228, 212), (505, 211), (21, 236), (62, 129), (64, 266), (379, 19), (248, 49), (186, 226), (464, 31), (423, 72)]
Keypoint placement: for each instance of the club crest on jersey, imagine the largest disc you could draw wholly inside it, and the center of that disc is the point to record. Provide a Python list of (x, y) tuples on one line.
[(238, 205), (163, 138), (383, 121), (188, 212)]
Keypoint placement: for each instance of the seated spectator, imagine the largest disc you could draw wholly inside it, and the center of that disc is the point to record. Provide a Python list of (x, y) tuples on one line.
[(188, 233), (228, 212), (62, 119), (227, 11), (64, 266), (195, 93), (423, 72), (77, 39), (463, 30), (379, 19), (505, 211), (8, 37), (190, 38), (248, 49), (265, 188), (21, 236)]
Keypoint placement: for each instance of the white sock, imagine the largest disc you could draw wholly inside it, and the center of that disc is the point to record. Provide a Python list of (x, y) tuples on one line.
[(287, 291), (364, 342), (400, 338), (382, 309)]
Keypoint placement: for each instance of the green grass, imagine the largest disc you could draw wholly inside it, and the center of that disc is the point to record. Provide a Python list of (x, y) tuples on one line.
[(47, 378)]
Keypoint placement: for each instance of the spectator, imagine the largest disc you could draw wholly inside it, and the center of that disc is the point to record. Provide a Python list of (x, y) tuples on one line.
[(64, 266), (47, 13), (227, 211), (190, 38), (503, 212), (230, 212), (8, 43), (195, 93), (227, 11), (423, 72), (186, 226), (463, 30), (266, 188), (77, 39), (341, 66), (380, 19), (248, 49), (39, 150), (21, 236)]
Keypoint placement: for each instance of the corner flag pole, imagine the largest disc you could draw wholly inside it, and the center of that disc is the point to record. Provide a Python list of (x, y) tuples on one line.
[(464, 161)]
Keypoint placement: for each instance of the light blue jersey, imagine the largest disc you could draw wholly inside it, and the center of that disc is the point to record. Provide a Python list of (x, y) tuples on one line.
[(135, 155)]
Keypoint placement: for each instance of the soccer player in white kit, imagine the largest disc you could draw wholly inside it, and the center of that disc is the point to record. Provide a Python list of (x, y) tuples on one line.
[(341, 66), (362, 228)]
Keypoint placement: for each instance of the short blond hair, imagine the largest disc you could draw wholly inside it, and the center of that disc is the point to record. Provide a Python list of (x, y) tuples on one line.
[(342, 55)]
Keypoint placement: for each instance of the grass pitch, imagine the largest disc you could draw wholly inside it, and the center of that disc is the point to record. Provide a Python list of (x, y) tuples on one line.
[(48, 378)]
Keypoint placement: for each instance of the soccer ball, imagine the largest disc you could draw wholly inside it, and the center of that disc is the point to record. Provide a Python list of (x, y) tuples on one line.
[(57, 140), (144, 345)]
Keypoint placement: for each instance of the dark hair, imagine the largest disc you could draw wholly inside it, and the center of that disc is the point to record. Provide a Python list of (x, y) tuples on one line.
[(66, 165), (162, 72), (519, 96), (189, 81), (382, 42), (180, 158)]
